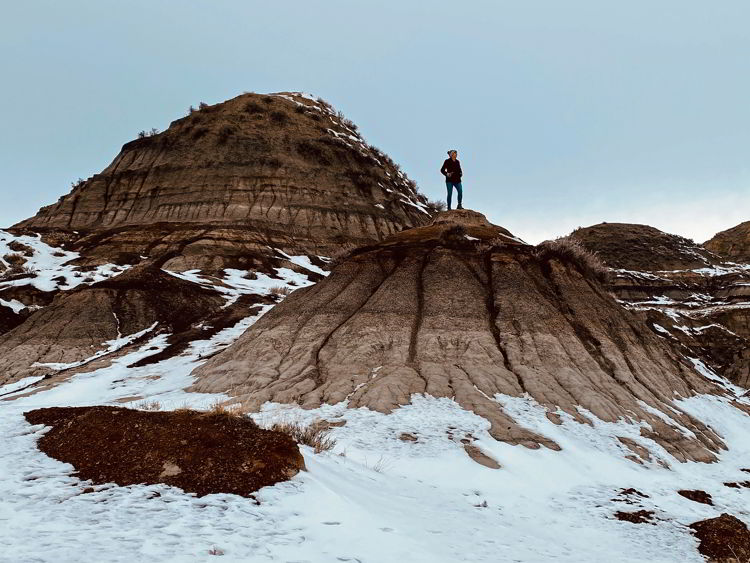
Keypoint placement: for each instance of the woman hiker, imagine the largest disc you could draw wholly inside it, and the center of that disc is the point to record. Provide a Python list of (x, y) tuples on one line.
[(451, 169)]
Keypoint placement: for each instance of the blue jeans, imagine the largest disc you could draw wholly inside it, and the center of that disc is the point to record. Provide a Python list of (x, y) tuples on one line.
[(450, 185)]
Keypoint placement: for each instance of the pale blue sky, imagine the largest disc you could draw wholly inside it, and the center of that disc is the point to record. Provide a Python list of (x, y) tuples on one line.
[(565, 113)]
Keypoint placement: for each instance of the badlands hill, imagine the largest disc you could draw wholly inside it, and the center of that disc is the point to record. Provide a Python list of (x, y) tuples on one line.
[(463, 309), (224, 183), (245, 197), (692, 296)]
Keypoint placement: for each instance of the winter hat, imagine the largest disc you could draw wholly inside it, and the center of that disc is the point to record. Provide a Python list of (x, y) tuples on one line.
[(452, 150)]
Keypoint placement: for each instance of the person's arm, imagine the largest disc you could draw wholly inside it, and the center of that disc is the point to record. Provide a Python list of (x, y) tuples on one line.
[(444, 169), (460, 172)]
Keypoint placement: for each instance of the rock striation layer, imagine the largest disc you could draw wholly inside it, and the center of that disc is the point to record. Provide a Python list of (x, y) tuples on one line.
[(229, 180), (463, 309), (732, 244), (688, 294)]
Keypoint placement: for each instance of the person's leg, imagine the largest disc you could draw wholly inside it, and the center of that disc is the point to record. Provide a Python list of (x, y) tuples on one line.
[(449, 187), (460, 191)]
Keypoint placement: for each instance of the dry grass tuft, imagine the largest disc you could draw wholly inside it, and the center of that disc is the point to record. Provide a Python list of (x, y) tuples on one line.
[(15, 259), (571, 251), (280, 290), (313, 435), (436, 206), (147, 405), (24, 249)]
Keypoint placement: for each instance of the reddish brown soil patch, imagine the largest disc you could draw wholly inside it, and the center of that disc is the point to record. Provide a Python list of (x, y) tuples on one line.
[(697, 496), (637, 517), (723, 539), (202, 453)]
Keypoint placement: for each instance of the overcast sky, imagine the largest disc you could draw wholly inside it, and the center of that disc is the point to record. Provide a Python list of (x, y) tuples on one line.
[(565, 113)]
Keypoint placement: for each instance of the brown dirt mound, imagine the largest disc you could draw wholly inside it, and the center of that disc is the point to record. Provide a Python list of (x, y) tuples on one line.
[(461, 309), (201, 453), (642, 248), (697, 496), (723, 539)]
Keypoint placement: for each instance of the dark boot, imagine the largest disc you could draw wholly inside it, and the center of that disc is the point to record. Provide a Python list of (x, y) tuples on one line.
[(460, 206)]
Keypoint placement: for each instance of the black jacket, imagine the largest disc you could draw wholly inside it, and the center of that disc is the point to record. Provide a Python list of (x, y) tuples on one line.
[(451, 169)]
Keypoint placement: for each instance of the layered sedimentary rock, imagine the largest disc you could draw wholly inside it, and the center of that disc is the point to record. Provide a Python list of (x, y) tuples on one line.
[(689, 294), (732, 244), (463, 309), (91, 320), (230, 180)]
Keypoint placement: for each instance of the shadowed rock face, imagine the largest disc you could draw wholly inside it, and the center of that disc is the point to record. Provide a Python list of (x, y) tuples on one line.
[(733, 244), (643, 248), (231, 179), (689, 294), (463, 309)]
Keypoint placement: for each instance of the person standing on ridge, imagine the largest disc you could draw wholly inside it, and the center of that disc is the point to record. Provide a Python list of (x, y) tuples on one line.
[(451, 169)]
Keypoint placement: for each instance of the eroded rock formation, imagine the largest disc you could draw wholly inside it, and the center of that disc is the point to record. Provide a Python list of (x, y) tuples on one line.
[(227, 181), (689, 295), (463, 309), (733, 244)]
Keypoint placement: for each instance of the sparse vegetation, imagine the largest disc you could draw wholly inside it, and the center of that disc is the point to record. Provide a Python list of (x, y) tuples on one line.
[(267, 99), (151, 133), (77, 183), (571, 251), (225, 132), (202, 105), (147, 405), (456, 234), (279, 117), (436, 206), (24, 249), (191, 109), (199, 132), (253, 107), (280, 290), (300, 109), (15, 259), (314, 435)]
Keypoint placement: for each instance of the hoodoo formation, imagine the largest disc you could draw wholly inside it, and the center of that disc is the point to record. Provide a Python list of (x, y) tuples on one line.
[(224, 183), (461, 308), (690, 294)]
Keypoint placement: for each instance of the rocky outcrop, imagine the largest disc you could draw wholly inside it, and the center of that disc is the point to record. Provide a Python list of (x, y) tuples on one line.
[(85, 323), (688, 294), (282, 171), (463, 309), (643, 248), (732, 244)]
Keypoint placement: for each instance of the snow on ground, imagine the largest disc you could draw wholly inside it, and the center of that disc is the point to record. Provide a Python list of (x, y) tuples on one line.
[(235, 283), (374, 498), (51, 266)]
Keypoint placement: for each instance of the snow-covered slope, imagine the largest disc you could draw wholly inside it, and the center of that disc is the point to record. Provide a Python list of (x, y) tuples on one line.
[(396, 487)]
